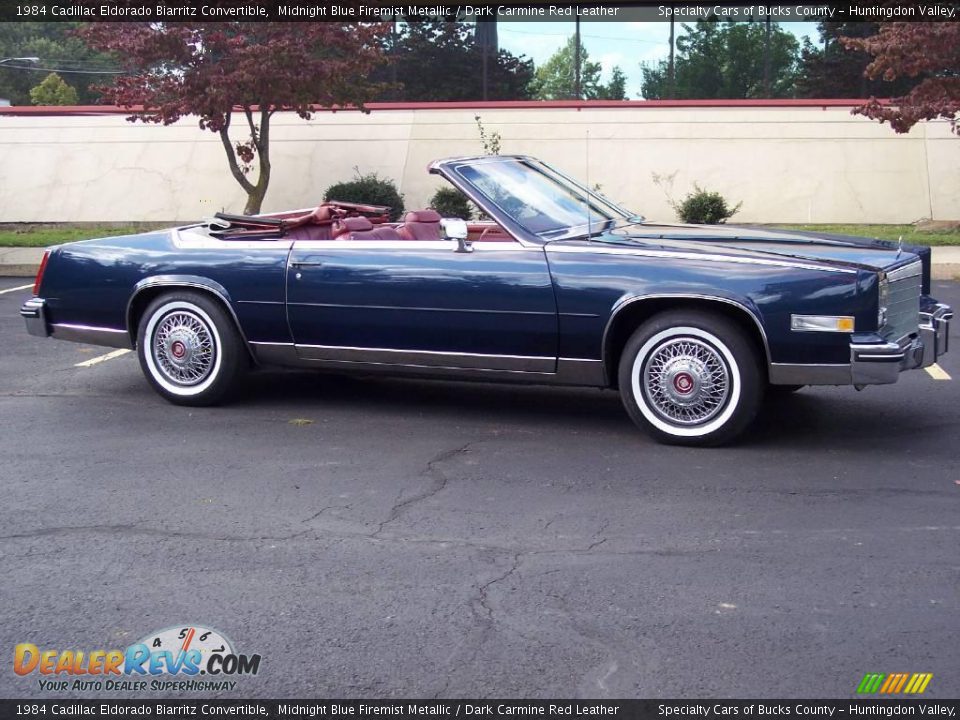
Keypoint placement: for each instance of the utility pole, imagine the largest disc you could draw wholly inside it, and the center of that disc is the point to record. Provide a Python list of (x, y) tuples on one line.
[(486, 37), (671, 72), (576, 61), (766, 57)]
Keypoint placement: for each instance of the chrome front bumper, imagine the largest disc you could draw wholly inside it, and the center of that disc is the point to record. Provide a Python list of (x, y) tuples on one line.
[(882, 363), (876, 362), (34, 313)]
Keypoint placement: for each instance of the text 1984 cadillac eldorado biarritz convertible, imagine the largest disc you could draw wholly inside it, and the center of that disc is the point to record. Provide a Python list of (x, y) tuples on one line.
[(692, 324)]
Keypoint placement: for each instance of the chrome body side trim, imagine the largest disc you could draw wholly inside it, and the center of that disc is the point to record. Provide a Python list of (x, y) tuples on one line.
[(709, 257), (570, 371), (440, 245), (110, 337), (428, 358), (626, 301)]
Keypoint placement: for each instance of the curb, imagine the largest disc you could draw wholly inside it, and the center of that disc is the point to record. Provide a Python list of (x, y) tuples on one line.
[(945, 271), (19, 271)]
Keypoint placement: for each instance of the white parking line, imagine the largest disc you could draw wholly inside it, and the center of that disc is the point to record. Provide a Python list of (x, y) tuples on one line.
[(102, 358), (22, 287), (938, 373)]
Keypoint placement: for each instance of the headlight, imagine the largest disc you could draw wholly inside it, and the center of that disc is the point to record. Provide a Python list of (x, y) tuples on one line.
[(883, 299)]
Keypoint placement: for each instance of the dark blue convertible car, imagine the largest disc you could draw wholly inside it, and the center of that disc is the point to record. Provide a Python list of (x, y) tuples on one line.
[(692, 324)]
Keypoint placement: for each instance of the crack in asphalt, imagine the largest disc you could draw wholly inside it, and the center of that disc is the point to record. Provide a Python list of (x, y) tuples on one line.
[(322, 510), (483, 589), (430, 471), (137, 529)]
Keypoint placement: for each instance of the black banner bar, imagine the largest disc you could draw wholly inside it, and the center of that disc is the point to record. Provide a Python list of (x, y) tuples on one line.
[(526, 11), (473, 709)]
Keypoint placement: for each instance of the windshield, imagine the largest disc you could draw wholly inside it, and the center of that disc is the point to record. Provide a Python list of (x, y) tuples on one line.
[(540, 200)]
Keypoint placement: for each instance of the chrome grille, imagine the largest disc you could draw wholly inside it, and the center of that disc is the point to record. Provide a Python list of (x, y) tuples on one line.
[(903, 302)]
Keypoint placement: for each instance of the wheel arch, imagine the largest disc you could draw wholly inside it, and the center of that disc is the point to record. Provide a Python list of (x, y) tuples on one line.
[(631, 312), (145, 291)]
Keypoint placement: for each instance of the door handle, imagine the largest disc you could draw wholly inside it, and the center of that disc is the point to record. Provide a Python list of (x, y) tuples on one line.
[(306, 263)]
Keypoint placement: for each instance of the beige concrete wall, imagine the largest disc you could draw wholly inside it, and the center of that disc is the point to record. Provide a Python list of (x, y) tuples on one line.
[(786, 164)]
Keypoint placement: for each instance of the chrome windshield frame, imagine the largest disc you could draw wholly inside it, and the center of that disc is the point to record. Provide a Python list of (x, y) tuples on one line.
[(450, 169)]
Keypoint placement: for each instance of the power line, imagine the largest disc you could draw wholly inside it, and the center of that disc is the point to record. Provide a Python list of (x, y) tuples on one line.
[(589, 35), (62, 70)]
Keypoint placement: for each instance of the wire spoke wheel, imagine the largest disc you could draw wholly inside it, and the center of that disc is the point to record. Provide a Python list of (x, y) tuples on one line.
[(183, 348), (693, 377), (686, 381)]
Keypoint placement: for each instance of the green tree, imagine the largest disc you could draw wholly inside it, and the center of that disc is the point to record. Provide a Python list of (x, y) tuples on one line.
[(616, 89), (726, 59), (53, 91), (556, 78), (57, 46), (436, 60), (834, 71)]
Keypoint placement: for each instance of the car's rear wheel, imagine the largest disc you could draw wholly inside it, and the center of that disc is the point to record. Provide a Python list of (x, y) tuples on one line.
[(190, 349), (691, 378)]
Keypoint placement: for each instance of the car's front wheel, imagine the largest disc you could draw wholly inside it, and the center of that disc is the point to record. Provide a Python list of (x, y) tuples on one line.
[(691, 378), (190, 349)]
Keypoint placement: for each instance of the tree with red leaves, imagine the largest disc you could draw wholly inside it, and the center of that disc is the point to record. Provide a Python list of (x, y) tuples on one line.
[(930, 50), (215, 69)]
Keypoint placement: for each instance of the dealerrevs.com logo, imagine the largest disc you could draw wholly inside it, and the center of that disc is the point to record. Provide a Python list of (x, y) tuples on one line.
[(180, 658)]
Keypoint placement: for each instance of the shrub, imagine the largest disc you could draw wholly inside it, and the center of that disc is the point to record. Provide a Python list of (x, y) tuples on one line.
[(702, 207), (368, 189), (451, 203), (53, 91)]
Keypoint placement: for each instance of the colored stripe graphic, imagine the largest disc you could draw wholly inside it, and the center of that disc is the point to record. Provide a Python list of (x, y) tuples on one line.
[(894, 683), (918, 683), (870, 683)]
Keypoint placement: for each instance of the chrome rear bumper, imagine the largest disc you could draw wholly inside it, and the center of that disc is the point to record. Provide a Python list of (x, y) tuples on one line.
[(34, 313)]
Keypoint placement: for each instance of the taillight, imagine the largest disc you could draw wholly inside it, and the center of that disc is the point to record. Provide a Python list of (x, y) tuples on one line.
[(43, 266)]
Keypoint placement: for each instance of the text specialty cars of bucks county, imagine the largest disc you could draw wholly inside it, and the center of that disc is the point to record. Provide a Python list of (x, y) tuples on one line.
[(559, 285)]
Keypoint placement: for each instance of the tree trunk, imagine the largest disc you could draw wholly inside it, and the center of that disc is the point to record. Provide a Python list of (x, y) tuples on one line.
[(261, 141)]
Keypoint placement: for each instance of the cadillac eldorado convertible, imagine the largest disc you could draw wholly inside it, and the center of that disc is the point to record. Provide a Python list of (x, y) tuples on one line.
[(692, 324)]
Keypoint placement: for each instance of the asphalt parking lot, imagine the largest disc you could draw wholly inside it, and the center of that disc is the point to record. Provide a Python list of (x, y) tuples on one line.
[(399, 538)]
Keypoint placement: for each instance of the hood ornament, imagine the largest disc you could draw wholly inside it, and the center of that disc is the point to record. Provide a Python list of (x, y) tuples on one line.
[(900, 247)]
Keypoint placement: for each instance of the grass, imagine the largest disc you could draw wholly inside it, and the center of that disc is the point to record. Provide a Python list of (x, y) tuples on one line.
[(911, 234), (42, 235)]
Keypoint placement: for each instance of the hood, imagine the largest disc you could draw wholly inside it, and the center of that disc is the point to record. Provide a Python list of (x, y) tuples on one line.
[(834, 250)]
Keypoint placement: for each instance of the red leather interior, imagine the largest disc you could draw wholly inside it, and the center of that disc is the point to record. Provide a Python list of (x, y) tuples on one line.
[(349, 225), (487, 232), (328, 222), (360, 228), (421, 225)]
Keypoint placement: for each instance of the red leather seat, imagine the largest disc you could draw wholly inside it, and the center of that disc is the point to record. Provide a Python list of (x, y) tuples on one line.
[(360, 228), (353, 228), (421, 225)]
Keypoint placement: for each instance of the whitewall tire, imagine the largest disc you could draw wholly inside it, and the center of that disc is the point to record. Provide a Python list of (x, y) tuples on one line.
[(691, 378), (189, 349)]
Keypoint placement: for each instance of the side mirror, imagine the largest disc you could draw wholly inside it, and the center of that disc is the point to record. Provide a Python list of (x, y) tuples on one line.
[(456, 229)]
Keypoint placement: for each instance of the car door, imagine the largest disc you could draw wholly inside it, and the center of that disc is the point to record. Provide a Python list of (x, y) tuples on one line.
[(422, 303)]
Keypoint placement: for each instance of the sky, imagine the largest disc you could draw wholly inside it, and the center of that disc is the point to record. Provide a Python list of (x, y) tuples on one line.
[(626, 44)]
